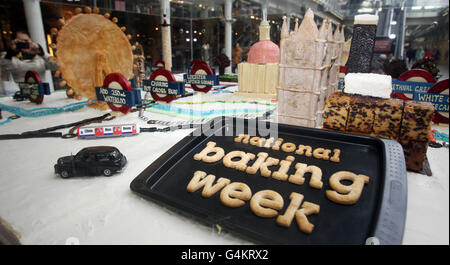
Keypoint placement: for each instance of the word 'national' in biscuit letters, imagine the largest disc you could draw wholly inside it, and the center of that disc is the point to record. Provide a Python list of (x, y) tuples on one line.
[(303, 150)]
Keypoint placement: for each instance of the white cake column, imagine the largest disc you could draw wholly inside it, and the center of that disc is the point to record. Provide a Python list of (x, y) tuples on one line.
[(166, 36), (228, 33), (36, 29)]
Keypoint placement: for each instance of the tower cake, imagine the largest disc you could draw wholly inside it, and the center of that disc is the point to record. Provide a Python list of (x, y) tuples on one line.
[(304, 67)]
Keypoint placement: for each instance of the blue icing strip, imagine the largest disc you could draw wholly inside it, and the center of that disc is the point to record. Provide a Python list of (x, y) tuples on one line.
[(42, 111), (192, 112)]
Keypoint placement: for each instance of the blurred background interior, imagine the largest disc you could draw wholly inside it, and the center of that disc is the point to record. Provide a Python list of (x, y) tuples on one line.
[(198, 26)]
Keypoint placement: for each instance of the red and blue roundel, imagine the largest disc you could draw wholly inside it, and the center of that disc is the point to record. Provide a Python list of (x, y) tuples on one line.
[(117, 81), (162, 75), (441, 88), (33, 77), (414, 75), (201, 69)]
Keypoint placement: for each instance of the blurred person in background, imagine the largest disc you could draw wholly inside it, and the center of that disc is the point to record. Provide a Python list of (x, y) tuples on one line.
[(410, 55), (420, 54), (237, 57), (23, 55), (378, 63), (222, 61)]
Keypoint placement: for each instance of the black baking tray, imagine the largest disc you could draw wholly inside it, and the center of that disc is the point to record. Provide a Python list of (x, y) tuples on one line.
[(377, 218)]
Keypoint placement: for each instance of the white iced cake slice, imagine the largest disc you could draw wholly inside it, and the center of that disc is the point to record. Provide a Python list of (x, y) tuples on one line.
[(366, 19), (373, 85)]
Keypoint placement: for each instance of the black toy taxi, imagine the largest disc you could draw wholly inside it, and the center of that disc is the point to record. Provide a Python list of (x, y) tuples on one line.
[(91, 161)]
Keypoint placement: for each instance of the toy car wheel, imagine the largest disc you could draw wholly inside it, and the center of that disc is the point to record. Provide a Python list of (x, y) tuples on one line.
[(64, 174), (107, 172)]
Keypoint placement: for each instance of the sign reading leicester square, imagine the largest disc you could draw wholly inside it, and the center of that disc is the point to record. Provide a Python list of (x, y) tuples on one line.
[(202, 80)]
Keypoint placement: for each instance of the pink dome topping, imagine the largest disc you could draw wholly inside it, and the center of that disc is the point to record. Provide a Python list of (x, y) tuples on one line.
[(264, 52)]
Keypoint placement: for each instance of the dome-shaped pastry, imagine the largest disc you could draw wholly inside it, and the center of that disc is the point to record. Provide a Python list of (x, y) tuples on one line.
[(264, 51)]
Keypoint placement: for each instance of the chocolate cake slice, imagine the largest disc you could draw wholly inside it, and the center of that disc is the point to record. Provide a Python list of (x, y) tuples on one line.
[(388, 118), (361, 114), (415, 154), (417, 118), (336, 111)]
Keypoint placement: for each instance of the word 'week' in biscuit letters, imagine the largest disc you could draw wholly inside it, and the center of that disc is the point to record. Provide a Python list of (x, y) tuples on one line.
[(265, 203)]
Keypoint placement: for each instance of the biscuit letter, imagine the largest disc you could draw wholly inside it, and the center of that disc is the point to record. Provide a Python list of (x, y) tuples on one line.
[(210, 148), (257, 141), (264, 168), (316, 175), (201, 180), (288, 147), (255, 167), (336, 155), (346, 194), (304, 150), (235, 194), (321, 153), (277, 144), (269, 143), (281, 174), (308, 208), (240, 165), (300, 214), (286, 219), (266, 203), (245, 138)]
